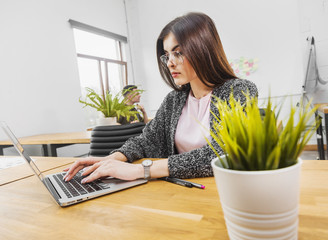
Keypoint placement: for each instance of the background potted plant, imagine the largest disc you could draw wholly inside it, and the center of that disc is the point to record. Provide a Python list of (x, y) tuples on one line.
[(257, 172), (111, 106)]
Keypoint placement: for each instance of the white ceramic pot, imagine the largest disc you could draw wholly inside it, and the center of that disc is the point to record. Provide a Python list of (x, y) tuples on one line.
[(259, 204), (102, 121)]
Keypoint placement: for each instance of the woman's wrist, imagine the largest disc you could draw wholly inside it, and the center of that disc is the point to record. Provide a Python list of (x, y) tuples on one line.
[(117, 156), (141, 171), (159, 169)]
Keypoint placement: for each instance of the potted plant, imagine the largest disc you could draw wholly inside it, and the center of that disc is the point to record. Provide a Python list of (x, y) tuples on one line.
[(257, 176), (111, 106)]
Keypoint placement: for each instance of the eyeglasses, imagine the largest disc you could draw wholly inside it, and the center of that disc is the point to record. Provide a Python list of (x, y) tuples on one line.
[(176, 57)]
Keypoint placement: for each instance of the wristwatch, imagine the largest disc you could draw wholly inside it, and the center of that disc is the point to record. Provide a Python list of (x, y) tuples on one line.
[(147, 164)]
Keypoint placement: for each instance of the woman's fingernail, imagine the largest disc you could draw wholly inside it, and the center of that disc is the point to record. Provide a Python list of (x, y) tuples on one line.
[(84, 180), (66, 177)]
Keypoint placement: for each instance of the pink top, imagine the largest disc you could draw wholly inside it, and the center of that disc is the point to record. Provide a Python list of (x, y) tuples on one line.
[(190, 134)]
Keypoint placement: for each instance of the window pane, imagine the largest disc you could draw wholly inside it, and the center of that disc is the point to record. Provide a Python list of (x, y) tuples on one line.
[(89, 77), (115, 74), (124, 46), (89, 74), (95, 45)]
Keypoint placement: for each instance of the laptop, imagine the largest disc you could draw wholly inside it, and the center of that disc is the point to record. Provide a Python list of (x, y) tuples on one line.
[(72, 192)]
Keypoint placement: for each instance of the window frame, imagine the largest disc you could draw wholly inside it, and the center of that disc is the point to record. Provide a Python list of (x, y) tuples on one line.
[(119, 39)]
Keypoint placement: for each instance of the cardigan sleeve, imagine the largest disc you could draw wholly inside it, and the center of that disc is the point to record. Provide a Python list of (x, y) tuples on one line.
[(151, 143), (197, 163), (193, 164)]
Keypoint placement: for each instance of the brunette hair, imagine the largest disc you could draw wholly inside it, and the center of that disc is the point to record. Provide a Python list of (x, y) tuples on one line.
[(200, 44), (128, 88)]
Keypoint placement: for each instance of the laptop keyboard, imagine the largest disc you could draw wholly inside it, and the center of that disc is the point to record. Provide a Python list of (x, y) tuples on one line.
[(74, 188)]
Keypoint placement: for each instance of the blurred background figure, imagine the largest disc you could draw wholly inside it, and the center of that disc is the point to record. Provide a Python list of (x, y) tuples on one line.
[(133, 95)]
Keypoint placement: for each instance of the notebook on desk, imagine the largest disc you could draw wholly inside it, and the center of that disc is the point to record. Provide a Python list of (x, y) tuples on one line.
[(72, 192)]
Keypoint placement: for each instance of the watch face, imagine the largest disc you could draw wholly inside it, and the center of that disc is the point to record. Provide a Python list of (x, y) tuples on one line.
[(147, 163)]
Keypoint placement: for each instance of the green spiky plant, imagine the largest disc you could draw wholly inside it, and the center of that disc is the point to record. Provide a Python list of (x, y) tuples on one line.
[(110, 105), (251, 142)]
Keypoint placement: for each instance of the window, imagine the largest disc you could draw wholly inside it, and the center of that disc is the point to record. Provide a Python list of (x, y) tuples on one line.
[(101, 61)]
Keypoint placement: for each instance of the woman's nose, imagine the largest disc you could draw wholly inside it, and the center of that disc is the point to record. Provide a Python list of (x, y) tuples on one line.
[(170, 62)]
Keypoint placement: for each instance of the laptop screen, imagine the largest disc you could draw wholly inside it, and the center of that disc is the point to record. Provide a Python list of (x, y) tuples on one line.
[(21, 150)]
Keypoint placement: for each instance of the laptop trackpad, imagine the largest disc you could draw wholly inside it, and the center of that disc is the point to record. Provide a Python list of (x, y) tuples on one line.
[(107, 182), (110, 182)]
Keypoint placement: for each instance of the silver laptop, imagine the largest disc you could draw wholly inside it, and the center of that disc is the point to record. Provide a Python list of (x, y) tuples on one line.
[(72, 192)]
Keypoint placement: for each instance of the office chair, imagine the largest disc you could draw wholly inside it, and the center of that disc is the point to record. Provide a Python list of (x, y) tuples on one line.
[(105, 139)]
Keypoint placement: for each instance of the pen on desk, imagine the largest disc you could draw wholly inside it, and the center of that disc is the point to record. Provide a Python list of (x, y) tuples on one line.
[(177, 181), (182, 182), (197, 185)]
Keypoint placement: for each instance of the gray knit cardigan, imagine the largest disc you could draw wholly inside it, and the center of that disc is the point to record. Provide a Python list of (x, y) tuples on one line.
[(157, 139)]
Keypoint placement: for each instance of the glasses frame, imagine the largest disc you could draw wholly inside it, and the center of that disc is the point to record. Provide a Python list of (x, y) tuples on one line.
[(175, 56)]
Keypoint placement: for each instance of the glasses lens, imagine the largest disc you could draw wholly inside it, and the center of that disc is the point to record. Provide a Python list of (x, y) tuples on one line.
[(177, 57), (164, 59)]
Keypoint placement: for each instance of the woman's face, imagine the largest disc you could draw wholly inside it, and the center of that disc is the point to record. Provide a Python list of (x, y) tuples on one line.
[(134, 96), (181, 71)]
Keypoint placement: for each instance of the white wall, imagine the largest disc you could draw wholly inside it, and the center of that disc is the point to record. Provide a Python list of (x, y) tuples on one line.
[(267, 30), (39, 82)]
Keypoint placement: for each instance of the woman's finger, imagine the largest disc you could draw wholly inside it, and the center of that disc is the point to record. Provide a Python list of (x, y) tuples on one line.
[(93, 176), (82, 162), (68, 176), (90, 169)]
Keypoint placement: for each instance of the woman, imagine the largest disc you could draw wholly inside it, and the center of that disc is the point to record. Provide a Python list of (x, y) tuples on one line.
[(192, 61), (131, 93)]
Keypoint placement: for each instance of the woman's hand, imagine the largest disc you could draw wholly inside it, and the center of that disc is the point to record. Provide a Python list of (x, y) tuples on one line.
[(113, 168), (113, 165), (79, 165), (141, 108)]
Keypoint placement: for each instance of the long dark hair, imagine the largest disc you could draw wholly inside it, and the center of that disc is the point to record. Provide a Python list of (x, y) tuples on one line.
[(200, 44)]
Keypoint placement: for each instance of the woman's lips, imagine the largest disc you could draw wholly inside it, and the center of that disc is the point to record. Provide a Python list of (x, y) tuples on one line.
[(175, 74)]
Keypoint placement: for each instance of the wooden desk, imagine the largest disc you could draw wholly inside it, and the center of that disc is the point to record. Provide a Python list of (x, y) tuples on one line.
[(156, 210), (54, 140), (22, 171), (323, 114)]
